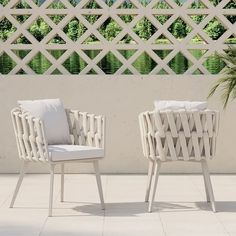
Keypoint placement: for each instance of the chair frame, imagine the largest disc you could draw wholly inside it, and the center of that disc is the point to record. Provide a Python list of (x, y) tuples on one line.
[(165, 133), (85, 129)]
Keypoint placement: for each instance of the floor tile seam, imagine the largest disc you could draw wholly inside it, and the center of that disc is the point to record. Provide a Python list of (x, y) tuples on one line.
[(162, 224), (43, 226)]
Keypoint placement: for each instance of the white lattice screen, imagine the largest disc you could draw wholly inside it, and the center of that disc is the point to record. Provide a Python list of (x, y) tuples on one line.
[(137, 45)]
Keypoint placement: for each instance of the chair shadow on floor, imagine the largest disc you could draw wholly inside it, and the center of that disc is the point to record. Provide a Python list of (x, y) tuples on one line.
[(221, 206), (136, 208)]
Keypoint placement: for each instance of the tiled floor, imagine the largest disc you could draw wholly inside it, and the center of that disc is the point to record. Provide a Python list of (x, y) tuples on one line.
[(180, 210)]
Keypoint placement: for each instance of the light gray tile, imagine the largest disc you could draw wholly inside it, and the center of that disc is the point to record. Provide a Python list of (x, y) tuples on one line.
[(73, 226), (179, 208)]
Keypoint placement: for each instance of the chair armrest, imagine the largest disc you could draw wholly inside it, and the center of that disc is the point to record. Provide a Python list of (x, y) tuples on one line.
[(147, 135), (86, 129), (30, 136)]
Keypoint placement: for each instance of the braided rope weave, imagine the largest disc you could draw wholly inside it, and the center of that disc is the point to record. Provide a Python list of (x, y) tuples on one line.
[(30, 136), (85, 129), (179, 135)]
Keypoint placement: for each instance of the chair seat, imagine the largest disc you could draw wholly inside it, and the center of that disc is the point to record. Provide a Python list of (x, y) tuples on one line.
[(74, 152)]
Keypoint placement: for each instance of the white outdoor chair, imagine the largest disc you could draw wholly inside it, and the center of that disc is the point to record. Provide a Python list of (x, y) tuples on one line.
[(87, 145), (178, 136)]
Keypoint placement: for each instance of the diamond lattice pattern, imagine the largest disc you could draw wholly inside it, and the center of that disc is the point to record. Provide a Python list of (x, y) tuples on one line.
[(121, 37)]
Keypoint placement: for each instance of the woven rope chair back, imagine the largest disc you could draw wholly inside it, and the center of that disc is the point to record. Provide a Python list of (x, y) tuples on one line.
[(179, 135)]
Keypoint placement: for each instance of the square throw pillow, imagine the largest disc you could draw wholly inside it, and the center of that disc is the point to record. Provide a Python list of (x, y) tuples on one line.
[(53, 115), (176, 105)]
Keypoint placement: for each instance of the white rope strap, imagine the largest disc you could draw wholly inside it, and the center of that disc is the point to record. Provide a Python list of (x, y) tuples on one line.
[(86, 129), (30, 137)]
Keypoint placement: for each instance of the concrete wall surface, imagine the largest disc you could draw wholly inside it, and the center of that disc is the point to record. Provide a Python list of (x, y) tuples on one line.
[(120, 99)]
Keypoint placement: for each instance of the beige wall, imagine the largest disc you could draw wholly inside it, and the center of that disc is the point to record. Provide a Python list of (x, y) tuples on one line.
[(120, 100)]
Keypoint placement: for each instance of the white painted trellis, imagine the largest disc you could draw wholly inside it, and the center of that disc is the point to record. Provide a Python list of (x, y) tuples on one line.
[(140, 11)]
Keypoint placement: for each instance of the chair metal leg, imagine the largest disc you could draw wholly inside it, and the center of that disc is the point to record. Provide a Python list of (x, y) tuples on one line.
[(156, 175), (19, 182), (205, 183), (209, 185), (52, 167), (149, 180), (62, 182), (99, 183)]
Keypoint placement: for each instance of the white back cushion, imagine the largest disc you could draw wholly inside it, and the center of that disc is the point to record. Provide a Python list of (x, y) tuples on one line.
[(176, 105), (53, 115)]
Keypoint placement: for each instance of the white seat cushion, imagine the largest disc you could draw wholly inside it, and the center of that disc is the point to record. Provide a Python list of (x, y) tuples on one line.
[(73, 152)]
